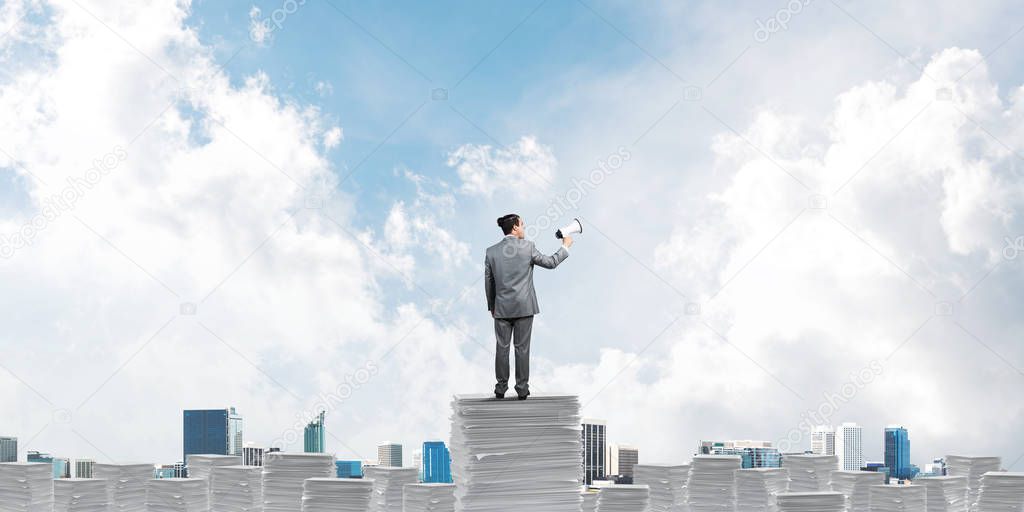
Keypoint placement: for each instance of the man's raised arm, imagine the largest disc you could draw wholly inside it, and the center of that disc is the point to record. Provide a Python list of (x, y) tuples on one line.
[(553, 260)]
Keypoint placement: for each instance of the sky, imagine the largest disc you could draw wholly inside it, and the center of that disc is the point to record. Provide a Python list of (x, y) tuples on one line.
[(794, 213)]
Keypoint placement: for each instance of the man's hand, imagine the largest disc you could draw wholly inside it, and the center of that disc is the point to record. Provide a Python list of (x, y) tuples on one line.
[(567, 241)]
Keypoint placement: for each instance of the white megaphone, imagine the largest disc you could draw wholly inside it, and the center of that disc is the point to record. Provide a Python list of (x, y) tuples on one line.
[(571, 229)]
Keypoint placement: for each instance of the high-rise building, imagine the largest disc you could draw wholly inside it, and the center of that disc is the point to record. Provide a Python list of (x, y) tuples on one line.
[(754, 454), (211, 431), (61, 467), (897, 452), (878, 467), (83, 468), (8, 449), (850, 447), (621, 458), (436, 462), (389, 454), (594, 447), (349, 468), (823, 440), (252, 455), (313, 441), (417, 462)]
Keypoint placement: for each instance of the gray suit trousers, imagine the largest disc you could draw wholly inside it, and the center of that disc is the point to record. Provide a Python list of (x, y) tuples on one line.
[(515, 331)]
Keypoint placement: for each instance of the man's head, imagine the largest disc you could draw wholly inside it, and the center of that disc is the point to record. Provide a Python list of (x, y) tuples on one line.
[(512, 224)]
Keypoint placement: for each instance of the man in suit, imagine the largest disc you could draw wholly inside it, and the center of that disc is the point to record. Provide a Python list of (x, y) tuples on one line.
[(511, 299)]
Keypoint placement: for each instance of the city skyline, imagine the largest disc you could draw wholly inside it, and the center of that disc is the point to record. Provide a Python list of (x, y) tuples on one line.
[(783, 226)]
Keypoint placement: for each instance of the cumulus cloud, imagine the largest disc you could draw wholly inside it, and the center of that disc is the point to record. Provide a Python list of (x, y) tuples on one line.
[(214, 264), (522, 169)]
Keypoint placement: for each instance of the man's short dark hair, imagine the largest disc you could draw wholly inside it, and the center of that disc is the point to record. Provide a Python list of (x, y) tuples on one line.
[(507, 222)]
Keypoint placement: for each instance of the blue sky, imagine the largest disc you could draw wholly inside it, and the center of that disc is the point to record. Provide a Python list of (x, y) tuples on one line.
[(712, 211)]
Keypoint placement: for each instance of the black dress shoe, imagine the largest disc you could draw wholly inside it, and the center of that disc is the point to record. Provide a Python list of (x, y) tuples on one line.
[(499, 395)]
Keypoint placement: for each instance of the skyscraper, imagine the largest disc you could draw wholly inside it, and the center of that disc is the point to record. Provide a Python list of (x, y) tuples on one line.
[(823, 440), (754, 454), (314, 435), (389, 454), (436, 463), (83, 468), (349, 468), (252, 455), (621, 459), (212, 431), (8, 449), (897, 452), (594, 439), (849, 446)]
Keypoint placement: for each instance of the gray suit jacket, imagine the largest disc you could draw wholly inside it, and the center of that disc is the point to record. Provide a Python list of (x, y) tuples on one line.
[(508, 276)]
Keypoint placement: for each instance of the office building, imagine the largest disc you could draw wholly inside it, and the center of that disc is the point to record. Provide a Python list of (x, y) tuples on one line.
[(83, 468), (849, 446), (313, 441), (61, 467), (823, 440), (211, 431), (8, 449), (594, 448), (417, 462), (878, 467), (252, 455), (621, 458), (436, 463), (754, 454), (897, 452), (349, 468), (164, 471), (389, 455)]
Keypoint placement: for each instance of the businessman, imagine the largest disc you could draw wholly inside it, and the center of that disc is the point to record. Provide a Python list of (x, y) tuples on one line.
[(511, 299)]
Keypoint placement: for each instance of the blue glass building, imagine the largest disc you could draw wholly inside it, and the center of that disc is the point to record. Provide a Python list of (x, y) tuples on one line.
[(897, 453), (436, 463), (212, 431), (349, 468), (313, 436)]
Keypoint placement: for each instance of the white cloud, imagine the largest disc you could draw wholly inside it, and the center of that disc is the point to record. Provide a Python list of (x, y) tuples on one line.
[(333, 137), (259, 29), (523, 169)]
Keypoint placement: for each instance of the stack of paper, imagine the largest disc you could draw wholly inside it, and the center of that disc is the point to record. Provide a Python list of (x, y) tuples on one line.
[(756, 488), (898, 498), (856, 486), (711, 485), (26, 487), (1001, 492), (236, 488), (623, 498), (177, 495), (822, 501), (972, 468), (336, 495), (126, 485), (589, 500), (284, 474), (517, 454), (388, 483), (810, 473), (667, 484), (200, 466), (432, 497), (945, 493), (79, 495)]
